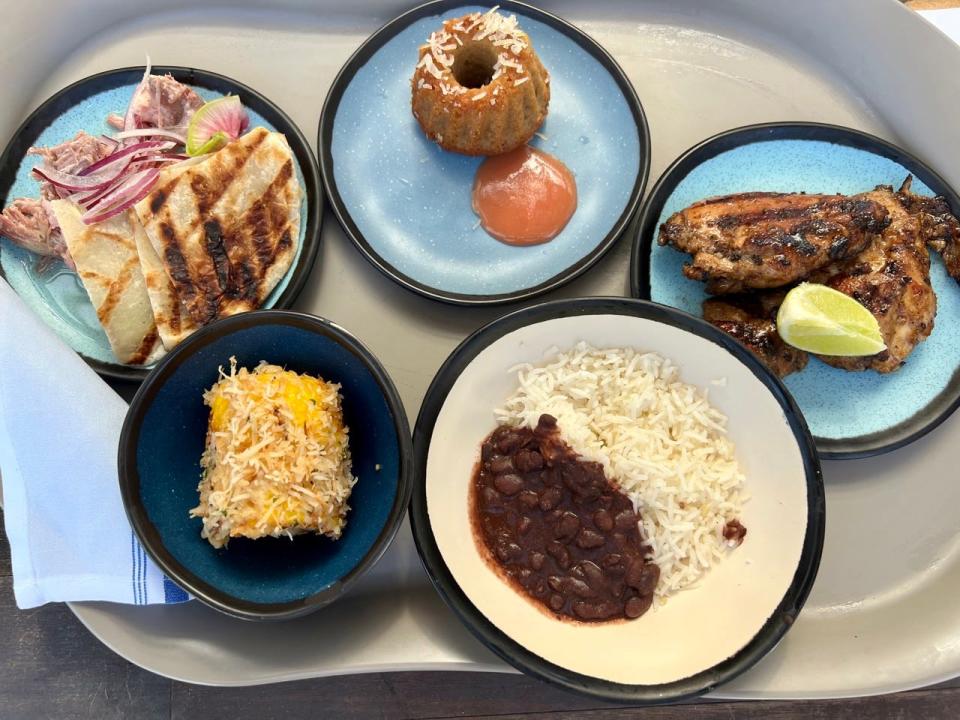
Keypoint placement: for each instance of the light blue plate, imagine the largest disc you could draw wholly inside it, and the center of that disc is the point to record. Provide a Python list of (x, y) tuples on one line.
[(405, 202), (850, 413), (56, 294)]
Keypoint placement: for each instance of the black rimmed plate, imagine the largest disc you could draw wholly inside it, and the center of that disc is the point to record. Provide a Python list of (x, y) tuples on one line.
[(703, 636), (850, 414), (55, 293), (405, 203), (163, 438)]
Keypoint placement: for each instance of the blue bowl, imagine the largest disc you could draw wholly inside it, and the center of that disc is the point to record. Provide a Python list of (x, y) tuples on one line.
[(159, 464)]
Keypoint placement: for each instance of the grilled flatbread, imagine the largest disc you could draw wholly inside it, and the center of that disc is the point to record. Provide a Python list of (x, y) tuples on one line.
[(106, 257), (173, 322), (226, 229)]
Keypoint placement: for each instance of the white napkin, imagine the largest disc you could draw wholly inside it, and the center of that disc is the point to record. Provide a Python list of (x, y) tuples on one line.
[(59, 429)]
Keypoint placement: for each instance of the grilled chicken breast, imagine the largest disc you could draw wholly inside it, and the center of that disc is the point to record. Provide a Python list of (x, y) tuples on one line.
[(751, 319), (891, 278), (765, 239), (226, 228)]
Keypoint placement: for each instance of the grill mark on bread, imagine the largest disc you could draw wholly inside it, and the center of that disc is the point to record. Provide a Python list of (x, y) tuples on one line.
[(177, 267), (230, 167), (115, 291), (145, 348), (265, 223), (240, 248), (213, 237)]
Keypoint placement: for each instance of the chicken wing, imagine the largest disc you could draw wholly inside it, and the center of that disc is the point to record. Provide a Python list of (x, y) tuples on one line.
[(891, 278), (765, 240), (751, 320), (940, 227)]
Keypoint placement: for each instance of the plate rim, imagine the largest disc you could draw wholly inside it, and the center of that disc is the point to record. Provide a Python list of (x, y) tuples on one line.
[(371, 45), (867, 445), (69, 96), (149, 536), (511, 651)]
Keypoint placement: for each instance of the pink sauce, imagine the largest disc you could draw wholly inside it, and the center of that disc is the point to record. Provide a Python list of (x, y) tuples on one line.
[(524, 197)]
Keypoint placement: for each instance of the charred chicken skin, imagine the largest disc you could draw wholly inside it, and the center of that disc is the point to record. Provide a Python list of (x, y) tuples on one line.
[(891, 278), (872, 247), (763, 240), (751, 319)]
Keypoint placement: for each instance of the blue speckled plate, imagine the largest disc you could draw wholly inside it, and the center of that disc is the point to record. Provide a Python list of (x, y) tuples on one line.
[(56, 294), (851, 414), (405, 202)]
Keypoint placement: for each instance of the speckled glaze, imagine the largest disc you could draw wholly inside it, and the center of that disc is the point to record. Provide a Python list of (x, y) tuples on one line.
[(409, 200), (57, 294), (163, 438), (838, 405)]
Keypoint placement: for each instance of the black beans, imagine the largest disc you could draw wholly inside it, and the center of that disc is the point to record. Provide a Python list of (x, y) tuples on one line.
[(529, 498), (567, 527), (527, 460), (626, 519), (603, 520), (550, 498), (509, 484), (643, 576), (559, 530), (590, 539), (637, 605), (501, 464)]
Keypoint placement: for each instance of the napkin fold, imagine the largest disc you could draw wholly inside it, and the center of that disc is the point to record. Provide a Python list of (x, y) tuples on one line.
[(59, 429)]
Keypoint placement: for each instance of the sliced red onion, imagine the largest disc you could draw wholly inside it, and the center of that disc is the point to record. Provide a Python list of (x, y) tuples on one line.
[(151, 132), (151, 145), (110, 141), (131, 191), (67, 181)]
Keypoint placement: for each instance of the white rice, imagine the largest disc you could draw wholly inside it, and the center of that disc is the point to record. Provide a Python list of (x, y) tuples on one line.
[(658, 438)]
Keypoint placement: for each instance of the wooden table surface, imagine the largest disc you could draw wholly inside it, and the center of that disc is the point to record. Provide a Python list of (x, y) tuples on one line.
[(52, 667)]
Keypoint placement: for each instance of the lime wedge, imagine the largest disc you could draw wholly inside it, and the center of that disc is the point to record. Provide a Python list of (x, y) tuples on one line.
[(824, 321), (214, 124), (217, 141)]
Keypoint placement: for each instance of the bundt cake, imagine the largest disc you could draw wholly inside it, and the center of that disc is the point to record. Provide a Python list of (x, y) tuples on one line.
[(479, 88)]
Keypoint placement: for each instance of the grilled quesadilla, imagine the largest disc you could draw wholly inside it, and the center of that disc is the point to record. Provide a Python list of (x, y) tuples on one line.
[(173, 322), (225, 230), (105, 254)]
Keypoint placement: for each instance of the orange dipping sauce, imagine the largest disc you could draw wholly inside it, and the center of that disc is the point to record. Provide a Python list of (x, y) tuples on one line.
[(524, 197)]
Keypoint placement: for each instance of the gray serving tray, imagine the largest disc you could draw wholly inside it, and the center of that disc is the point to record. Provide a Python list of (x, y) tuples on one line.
[(883, 614)]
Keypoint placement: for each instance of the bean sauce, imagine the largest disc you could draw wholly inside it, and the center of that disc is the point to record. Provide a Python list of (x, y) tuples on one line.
[(557, 529)]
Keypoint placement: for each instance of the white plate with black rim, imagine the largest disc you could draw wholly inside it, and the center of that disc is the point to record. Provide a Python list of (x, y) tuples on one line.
[(406, 203), (851, 414), (55, 293), (702, 636)]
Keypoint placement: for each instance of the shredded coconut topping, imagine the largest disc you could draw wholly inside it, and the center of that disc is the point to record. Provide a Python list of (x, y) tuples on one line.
[(501, 31)]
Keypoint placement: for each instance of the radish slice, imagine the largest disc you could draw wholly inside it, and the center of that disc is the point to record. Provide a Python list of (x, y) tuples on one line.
[(215, 124)]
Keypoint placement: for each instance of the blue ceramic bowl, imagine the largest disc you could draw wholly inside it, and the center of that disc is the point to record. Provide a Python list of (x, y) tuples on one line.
[(163, 437)]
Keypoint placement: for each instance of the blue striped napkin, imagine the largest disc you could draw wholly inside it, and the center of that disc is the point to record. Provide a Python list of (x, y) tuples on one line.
[(59, 429)]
